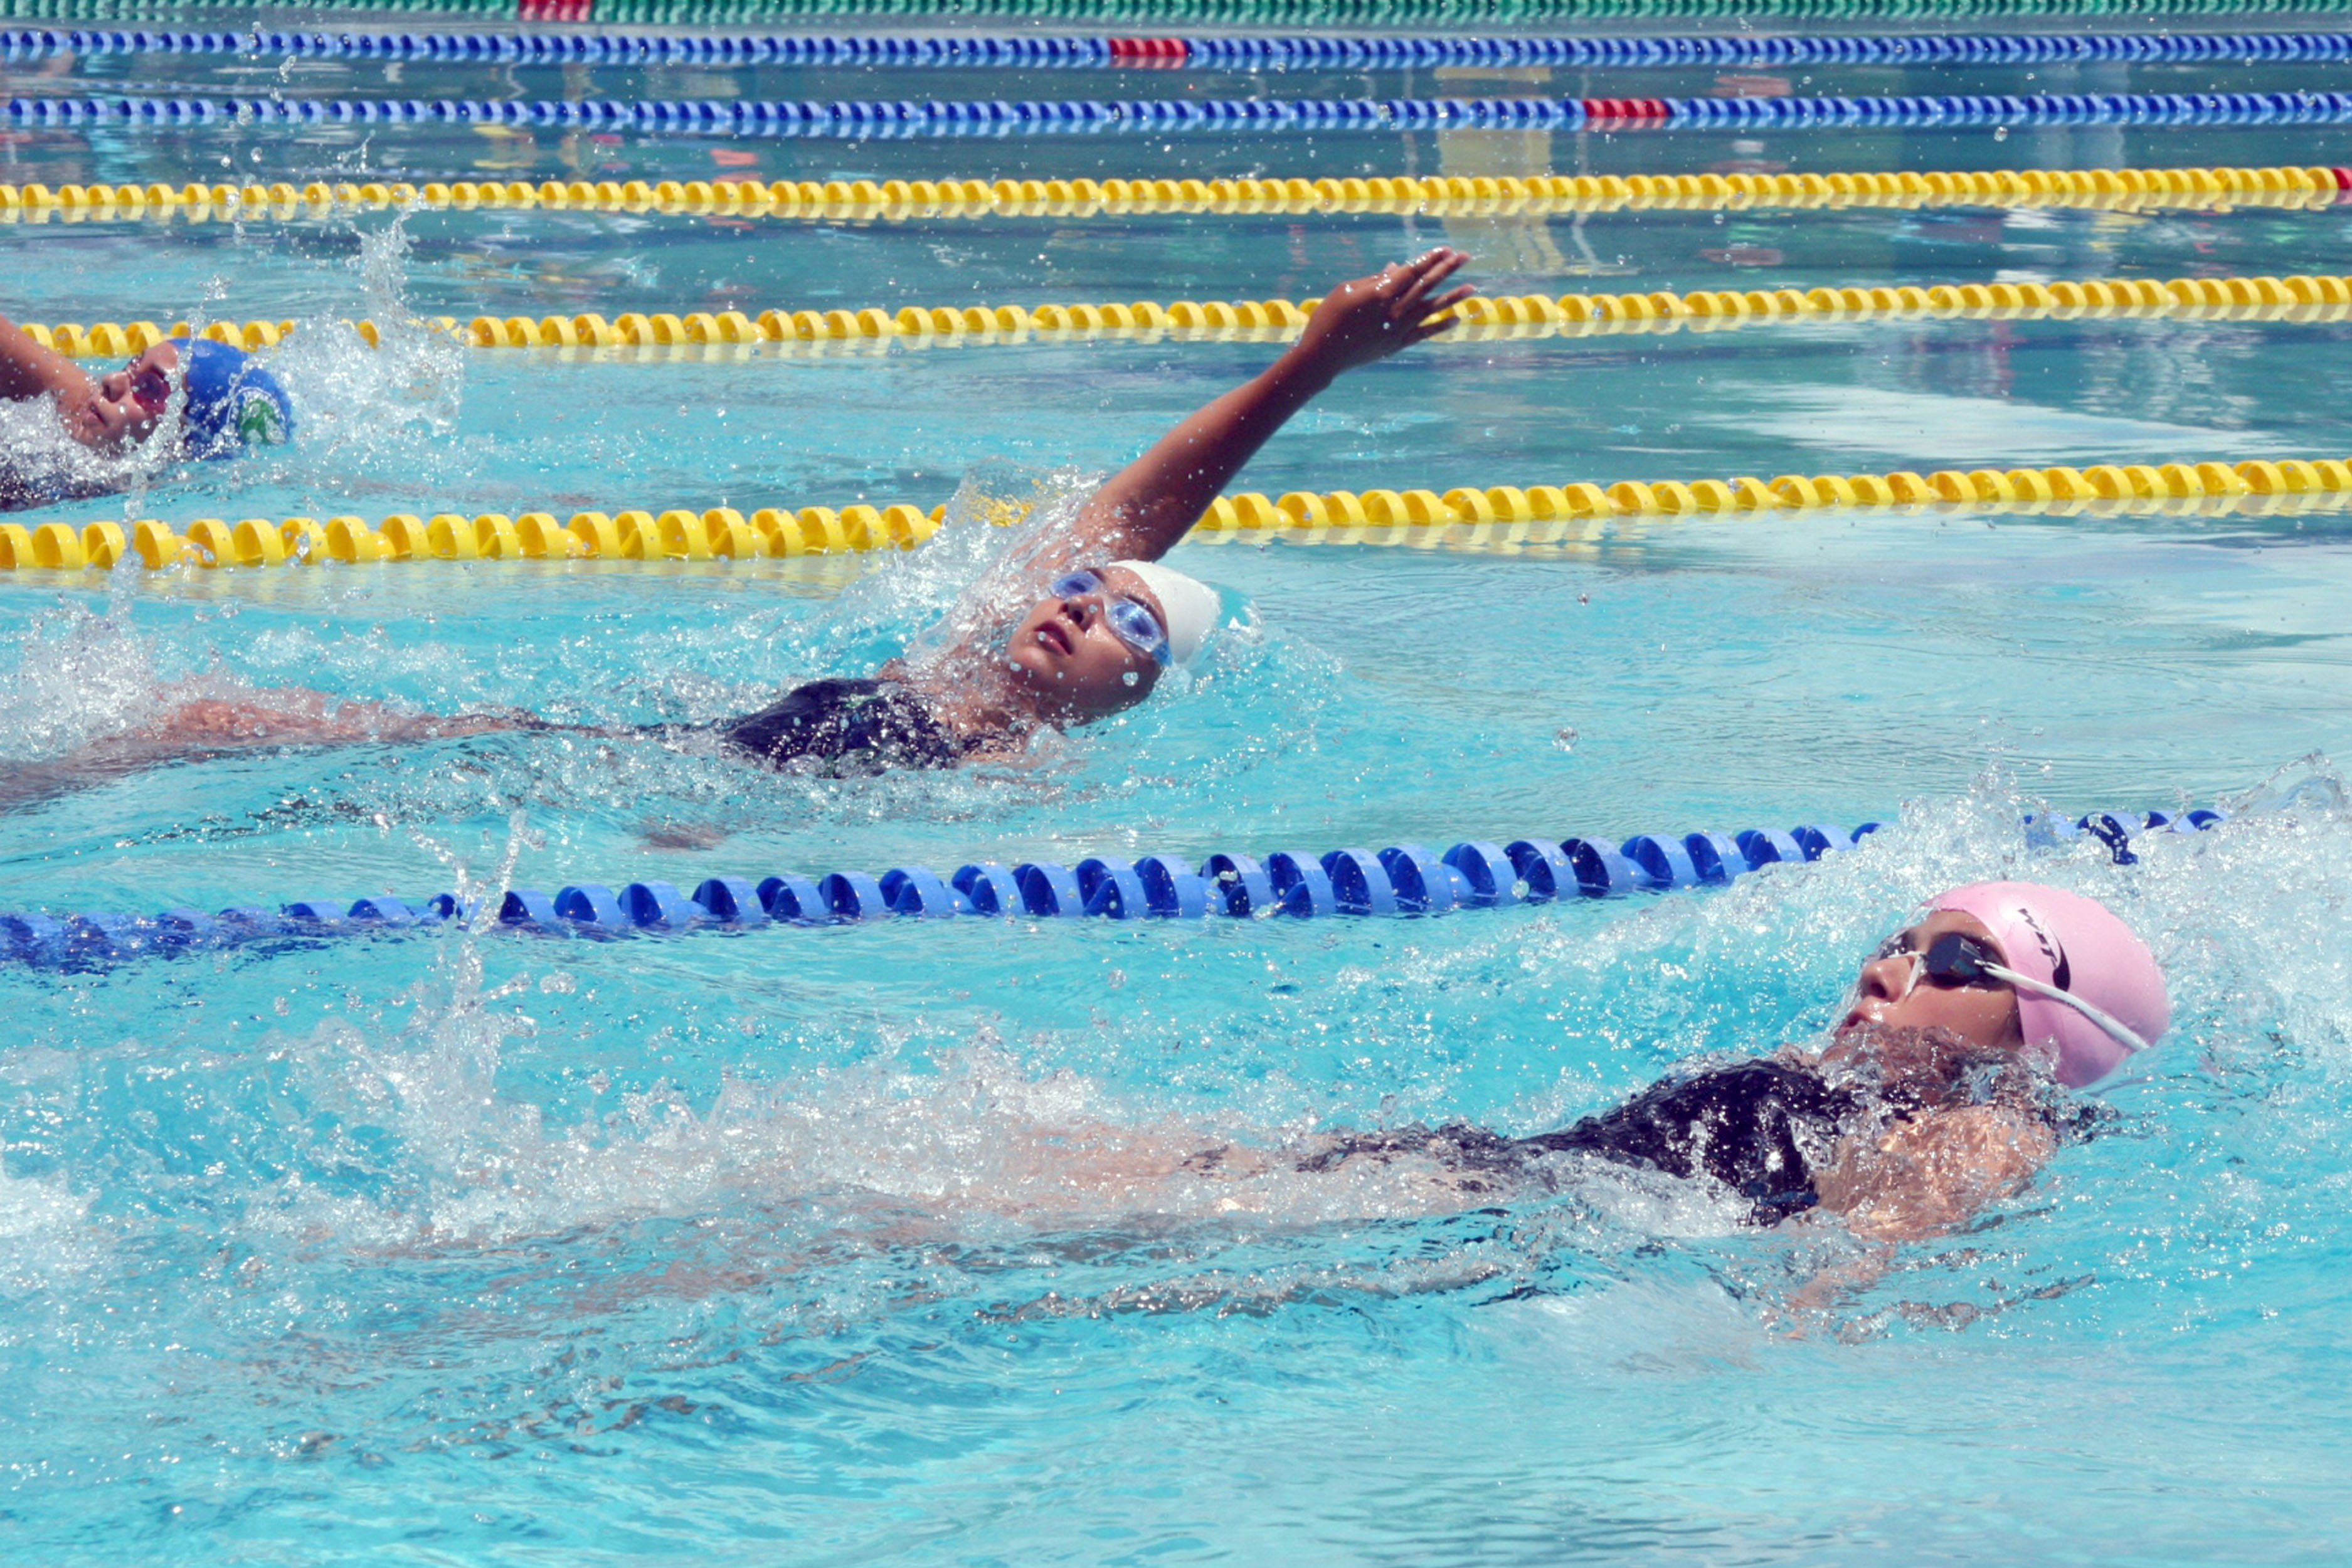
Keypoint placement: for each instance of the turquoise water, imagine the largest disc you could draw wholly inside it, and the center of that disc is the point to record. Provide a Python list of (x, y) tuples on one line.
[(810, 1246)]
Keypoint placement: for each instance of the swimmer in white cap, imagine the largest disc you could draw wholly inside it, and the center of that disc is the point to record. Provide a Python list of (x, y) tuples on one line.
[(1112, 618)]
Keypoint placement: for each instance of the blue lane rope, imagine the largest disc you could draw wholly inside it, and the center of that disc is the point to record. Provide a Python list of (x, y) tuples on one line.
[(1404, 880), (908, 118), (1245, 54), (2003, 48)]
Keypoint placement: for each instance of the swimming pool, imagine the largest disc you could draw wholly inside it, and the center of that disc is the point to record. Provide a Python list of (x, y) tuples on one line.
[(489, 1248)]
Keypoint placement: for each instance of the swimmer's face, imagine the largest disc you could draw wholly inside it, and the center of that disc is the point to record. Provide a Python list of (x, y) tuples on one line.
[(1982, 1016), (130, 401), (1075, 667)]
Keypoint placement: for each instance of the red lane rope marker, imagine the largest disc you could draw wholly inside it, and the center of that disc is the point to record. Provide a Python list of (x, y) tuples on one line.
[(1151, 51)]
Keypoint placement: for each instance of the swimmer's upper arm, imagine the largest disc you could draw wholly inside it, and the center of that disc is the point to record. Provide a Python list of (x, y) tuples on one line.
[(28, 369), (1142, 511), (1927, 1176)]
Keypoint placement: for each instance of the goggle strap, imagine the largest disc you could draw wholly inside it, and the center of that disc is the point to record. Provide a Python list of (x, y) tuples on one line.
[(2114, 1028)]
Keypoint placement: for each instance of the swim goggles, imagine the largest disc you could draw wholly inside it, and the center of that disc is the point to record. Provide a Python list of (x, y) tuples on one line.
[(150, 387), (1955, 959), (1131, 618)]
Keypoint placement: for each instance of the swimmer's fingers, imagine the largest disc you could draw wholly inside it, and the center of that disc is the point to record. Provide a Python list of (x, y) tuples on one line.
[(1422, 274), (1401, 285), (1434, 319), (1419, 299), (1369, 319)]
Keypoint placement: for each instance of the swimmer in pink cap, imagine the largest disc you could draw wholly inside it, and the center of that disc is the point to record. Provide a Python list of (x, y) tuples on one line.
[(2018, 966), (1951, 1022), (1934, 1097)]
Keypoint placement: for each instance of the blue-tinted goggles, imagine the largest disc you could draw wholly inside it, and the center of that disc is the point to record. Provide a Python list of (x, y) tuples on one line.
[(1132, 619)]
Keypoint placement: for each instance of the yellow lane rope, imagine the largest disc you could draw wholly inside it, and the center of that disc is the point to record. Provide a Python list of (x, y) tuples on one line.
[(1539, 514), (1487, 318), (900, 201)]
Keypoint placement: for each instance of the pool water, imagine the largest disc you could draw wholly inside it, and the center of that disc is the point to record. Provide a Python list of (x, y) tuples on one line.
[(873, 1243)]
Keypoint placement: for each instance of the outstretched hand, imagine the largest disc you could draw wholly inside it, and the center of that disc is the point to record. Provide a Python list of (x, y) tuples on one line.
[(1371, 318), (1150, 504)]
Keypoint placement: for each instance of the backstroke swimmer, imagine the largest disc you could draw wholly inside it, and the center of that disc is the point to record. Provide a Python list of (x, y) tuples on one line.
[(1935, 1096), (67, 436), (1930, 1100), (1111, 620)]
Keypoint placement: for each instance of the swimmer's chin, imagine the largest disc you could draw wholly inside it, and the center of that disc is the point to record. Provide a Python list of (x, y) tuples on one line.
[(1881, 1055), (1860, 1039)]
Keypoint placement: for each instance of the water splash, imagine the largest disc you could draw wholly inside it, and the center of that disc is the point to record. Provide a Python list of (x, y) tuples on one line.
[(382, 415), (986, 564), (81, 676)]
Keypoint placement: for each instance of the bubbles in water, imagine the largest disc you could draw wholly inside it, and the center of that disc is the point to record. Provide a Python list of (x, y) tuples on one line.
[(82, 676), (359, 408), (979, 573)]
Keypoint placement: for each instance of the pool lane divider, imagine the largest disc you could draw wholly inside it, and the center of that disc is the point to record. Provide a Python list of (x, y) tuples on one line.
[(2299, 298), (1206, 51), (861, 120), (902, 201), (1209, 52), (1404, 880), (1509, 514), (1165, 14)]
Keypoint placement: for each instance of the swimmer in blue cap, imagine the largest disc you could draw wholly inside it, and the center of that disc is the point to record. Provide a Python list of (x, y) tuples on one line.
[(226, 404)]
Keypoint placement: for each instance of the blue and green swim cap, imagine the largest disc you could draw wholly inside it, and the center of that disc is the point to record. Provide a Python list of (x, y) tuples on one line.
[(233, 402)]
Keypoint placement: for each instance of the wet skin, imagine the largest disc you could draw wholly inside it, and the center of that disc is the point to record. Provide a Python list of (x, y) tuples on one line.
[(1929, 1169), (124, 408), (1944, 1026), (1069, 664)]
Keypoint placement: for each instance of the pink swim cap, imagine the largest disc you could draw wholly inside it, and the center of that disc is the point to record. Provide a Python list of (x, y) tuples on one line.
[(2078, 946)]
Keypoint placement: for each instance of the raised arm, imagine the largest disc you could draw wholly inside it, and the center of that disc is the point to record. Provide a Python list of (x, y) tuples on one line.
[(1151, 503), (28, 370)]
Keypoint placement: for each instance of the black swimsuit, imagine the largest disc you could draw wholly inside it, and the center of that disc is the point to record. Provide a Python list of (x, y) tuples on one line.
[(1760, 1128), (844, 728)]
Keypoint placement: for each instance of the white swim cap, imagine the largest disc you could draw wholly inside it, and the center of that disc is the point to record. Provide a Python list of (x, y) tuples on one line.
[(1191, 605)]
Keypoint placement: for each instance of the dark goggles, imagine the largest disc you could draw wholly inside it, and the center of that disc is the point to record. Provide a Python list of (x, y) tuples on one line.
[(1951, 960), (150, 387), (1132, 619)]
